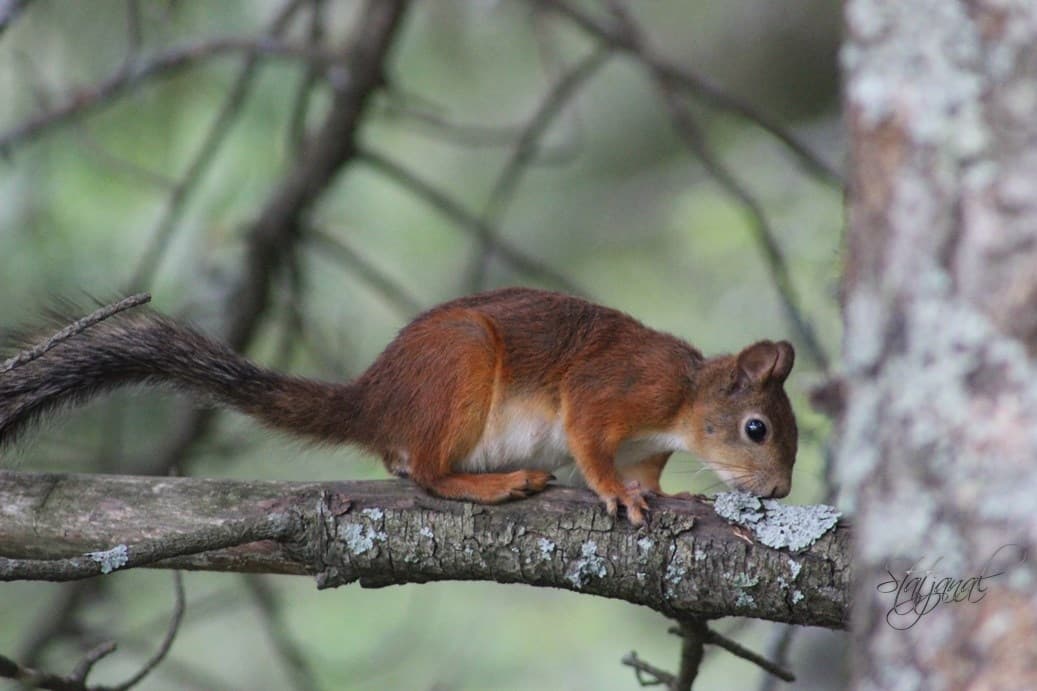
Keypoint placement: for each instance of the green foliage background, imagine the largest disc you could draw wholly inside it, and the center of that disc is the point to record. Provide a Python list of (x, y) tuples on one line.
[(619, 206)]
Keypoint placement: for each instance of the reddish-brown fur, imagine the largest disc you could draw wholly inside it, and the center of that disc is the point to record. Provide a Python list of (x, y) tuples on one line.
[(429, 394)]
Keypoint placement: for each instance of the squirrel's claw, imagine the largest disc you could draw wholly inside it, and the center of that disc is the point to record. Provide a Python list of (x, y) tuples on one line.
[(632, 498)]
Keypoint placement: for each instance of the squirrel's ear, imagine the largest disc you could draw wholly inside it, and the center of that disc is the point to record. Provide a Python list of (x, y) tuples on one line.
[(765, 360), (786, 358)]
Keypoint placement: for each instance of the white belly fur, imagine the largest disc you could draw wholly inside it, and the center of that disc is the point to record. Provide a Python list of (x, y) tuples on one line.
[(521, 435)]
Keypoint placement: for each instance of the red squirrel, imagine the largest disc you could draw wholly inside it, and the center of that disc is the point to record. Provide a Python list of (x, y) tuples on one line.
[(484, 398)]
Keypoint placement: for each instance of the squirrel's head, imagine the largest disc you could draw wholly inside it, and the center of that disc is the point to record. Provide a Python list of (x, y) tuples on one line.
[(743, 426)]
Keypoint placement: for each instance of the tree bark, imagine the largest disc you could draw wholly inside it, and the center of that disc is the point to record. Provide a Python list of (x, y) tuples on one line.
[(688, 563), (939, 432)]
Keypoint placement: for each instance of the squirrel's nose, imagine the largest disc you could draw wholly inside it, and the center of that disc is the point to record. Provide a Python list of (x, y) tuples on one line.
[(779, 490)]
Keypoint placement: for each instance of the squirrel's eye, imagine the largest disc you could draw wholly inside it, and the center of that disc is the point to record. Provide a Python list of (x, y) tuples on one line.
[(756, 430)]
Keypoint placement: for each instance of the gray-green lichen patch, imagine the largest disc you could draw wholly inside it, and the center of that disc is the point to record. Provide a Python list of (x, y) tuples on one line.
[(360, 538), (111, 559), (740, 507), (675, 572), (744, 599), (589, 564), (743, 580), (546, 548), (774, 524)]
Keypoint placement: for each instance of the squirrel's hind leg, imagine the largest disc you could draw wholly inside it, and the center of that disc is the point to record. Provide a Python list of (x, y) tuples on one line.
[(488, 488), (456, 374)]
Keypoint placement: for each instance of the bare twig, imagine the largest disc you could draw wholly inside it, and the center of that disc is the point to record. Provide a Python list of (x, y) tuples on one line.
[(85, 100), (432, 118), (397, 296), (764, 234), (656, 676), (549, 47), (218, 601), (287, 648), (301, 102), (466, 220), (189, 673), (713, 638), (134, 31), (445, 129), (294, 313), (78, 326), (58, 620), (778, 652), (696, 85), (694, 636), (76, 681), (32, 678), (167, 641), (740, 651), (274, 526), (130, 169), (206, 153), (297, 332), (362, 669), (523, 154), (82, 669), (688, 129)]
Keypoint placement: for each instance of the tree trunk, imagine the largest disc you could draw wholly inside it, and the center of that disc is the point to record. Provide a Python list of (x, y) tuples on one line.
[(939, 431)]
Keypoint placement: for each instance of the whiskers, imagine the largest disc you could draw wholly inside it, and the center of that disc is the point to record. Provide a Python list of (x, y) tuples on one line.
[(727, 475)]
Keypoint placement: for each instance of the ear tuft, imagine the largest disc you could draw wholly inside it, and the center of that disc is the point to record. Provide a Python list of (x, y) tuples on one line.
[(765, 360)]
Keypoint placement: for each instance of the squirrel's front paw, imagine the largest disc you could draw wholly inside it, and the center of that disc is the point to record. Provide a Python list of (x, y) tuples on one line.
[(632, 498)]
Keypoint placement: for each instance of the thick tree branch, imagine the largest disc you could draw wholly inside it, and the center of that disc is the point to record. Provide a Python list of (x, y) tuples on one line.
[(689, 563)]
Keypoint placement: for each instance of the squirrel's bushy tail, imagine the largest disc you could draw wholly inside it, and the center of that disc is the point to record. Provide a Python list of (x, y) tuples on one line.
[(145, 347)]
